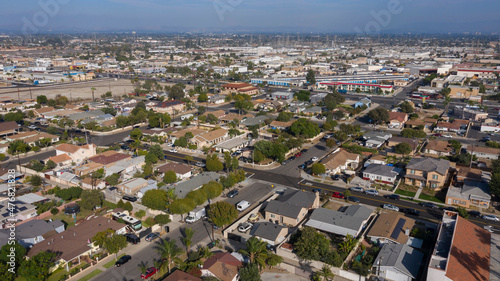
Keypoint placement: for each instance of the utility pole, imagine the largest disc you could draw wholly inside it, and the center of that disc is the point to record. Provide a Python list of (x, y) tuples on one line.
[(31, 95), (18, 93)]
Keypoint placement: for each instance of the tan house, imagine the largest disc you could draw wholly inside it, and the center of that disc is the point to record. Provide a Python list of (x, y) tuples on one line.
[(391, 227), (210, 138), (77, 153), (291, 208), (8, 128), (33, 137), (61, 160), (484, 152), (471, 193), (397, 119), (340, 161), (430, 172), (223, 266), (466, 173), (170, 107), (463, 92), (88, 168), (218, 113), (239, 88), (438, 148), (133, 186), (413, 143)]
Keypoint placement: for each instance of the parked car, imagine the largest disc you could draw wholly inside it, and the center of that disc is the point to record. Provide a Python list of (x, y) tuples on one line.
[(200, 164), (302, 167), (314, 159), (453, 209), (149, 272), (412, 212), (317, 190), (232, 193), (390, 207), (173, 150), (244, 227), (123, 260), (491, 217), (242, 205), (132, 238), (338, 195), (357, 189), (447, 136), (253, 218), (152, 236), (428, 205), (437, 135), (373, 192), (129, 198), (298, 154), (475, 214), (353, 199), (336, 177), (392, 196)]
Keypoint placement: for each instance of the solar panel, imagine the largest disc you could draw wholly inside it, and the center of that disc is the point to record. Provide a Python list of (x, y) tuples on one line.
[(398, 229)]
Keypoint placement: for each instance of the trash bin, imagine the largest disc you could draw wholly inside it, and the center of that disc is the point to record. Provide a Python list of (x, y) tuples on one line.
[(167, 229)]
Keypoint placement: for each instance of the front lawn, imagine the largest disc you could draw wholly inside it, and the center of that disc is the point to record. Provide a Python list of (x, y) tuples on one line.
[(90, 275), (405, 192), (430, 198)]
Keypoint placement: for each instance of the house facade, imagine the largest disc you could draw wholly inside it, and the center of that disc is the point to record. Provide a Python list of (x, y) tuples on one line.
[(427, 172)]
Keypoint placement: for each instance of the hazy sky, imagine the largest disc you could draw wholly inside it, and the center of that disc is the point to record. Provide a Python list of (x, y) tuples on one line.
[(252, 15)]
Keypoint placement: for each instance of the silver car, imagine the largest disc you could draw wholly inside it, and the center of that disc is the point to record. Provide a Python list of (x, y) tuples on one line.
[(244, 227), (491, 217), (391, 207), (357, 189), (373, 192)]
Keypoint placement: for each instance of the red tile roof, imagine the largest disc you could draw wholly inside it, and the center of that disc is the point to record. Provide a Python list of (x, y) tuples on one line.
[(107, 159), (470, 252), (181, 276)]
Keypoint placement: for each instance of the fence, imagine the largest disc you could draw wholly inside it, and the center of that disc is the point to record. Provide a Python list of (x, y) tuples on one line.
[(29, 171)]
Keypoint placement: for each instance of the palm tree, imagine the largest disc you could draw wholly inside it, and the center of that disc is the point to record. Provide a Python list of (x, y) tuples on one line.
[(204, 252), (143, 266), (158, 264), (169, 252), (188, 158), (135, 146), (326, 272), (187, 239), (256, 251), (93, 90)]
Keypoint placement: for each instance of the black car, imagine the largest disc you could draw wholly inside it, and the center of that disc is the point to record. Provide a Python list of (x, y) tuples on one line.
[(453, 209), (302, 167), (336, 177), (232, 193), (123, 260), (412, 212), (428, 205), (129, 198), (392, 196), (475, 214), (132, 238), (353, 199)]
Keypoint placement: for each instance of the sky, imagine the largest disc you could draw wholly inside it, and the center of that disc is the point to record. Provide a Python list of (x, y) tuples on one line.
[(328, 16)]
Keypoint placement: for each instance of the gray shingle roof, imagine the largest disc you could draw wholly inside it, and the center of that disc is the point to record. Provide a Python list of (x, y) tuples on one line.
[(342, 223), (183, 188), (266, 230), (440, 166), (402, 257), (381, 170)]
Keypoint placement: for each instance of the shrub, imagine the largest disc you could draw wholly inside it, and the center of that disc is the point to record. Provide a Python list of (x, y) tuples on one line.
[(140, 214), (150, 221), (54, 211)]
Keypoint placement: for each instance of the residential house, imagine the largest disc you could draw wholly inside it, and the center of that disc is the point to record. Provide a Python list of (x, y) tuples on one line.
[(484, 152), (223, 266), (469, 113), (438, 148), (416, 123), (363, 102), (179, 275), (459, 244), (90, 183), (132, 186), (232, 117), (109, 157), (375, 159), (233, 144), (291, 207), (375, 139), (32, 198), (398, 262), (23, 211), (41, 111), (429, 172), (397, 119), (350, 221), (87, 169), (239, 88), (33, 137), (184, 187), (32, 232), (72, 244), (158, 132), (280, 95), (182, 171), (381, 173), (126, 168), (170, 107), (413, 143), (281, 125), (62, 160), (210, 138), (218, 114), (313, 110), (272, 234), (340, 161), (9, 128), (181, 133), (253, 121), (466, 173), (77, 153), (471, 193), (391, 228)]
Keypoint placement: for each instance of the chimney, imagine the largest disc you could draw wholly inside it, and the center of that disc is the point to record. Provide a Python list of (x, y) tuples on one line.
[(407, 231)]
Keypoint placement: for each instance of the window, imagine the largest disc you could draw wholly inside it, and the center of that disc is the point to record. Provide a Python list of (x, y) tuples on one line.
[(434, 177), (273, 216), (412, 172), (433, 185)]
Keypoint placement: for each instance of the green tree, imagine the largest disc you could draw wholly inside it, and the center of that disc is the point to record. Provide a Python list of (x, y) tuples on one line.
[(100, 237), (378, 115), (5, 274), (156, 199), (340, 136), (18, 250), (302, 95), (154, 121), (304, 127), (456, 145), (50, 165), (326, 272), (256, 251), (37, 165), (250, 273), (213, 163), (41, 99), (188, 158), (115, 243), (406, 107), (37, 268), (52, 130), (284, 116), (169, 251), (311, 77), (128, 207), (243, 105), (140, 214), (332, 100), (463, 212), (182, 206), (90, 199), (187, 238), (402, 148), (413, 133), (136, 134), (318, 168), (203, 97), (36, 180), (495, 183), (112, 179), (170, 177), (311, 245), (222, 213), (162, 219)]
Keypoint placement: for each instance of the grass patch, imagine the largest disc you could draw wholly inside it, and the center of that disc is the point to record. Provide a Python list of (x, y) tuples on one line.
[(405, 192), (430, 198), (112, 262), (110, 205), (68, 220), (57, 274), (90, 275)]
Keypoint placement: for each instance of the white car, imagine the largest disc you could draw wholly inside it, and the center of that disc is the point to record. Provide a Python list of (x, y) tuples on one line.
[(173, 150), (199, 164), (244, 227), (491, 217), (373, 192), (314, 159), (32, 127), (391, 207), (447, 136)]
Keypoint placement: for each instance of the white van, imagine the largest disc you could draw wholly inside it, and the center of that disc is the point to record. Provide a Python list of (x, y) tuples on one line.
[(242, 205)]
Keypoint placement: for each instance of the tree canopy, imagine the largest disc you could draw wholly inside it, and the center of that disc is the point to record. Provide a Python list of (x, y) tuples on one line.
[(378, 115), (304, 127), (222, 213)]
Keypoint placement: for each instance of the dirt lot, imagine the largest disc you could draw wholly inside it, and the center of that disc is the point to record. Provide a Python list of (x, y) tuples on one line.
[(75, 91)]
